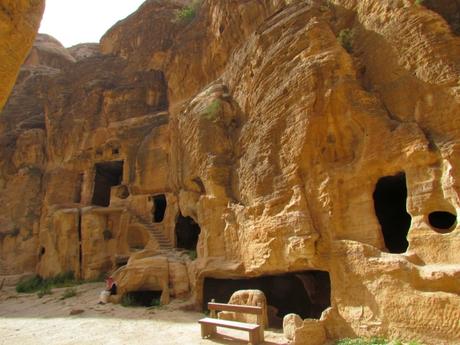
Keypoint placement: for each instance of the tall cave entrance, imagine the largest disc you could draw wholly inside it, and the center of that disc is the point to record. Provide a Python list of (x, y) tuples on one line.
[(158, 208), (306, 293), (390, 197), (187, 232), (108, 174)]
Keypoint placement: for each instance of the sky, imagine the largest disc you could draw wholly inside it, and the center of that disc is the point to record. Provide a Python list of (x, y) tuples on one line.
[(72, 22)]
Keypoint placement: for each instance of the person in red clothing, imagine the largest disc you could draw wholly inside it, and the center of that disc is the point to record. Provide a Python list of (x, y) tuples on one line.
[(110, 289), (111, 286)]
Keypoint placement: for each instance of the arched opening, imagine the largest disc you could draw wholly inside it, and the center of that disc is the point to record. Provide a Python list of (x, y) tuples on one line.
[(108, 174), (141, 299), (390, 207), (306, 293), (442, 221), (41, 252), (187, 233), (159, 208)]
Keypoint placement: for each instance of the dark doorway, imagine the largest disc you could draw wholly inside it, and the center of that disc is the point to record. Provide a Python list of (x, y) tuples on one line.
[(141, 299), (187, 232), (307, 293), (442, 221), (390, 207), (42, 252), (159, 208), (108, 174)]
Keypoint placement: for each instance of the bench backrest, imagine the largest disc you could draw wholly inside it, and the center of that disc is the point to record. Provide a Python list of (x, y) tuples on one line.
[(244, 309)]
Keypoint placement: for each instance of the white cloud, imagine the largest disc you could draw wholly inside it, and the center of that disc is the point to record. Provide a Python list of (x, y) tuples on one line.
[(73, 22)]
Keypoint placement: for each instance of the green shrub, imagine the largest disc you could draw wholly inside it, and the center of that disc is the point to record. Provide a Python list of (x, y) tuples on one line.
[(69, 292), (155, 302), (37, 283), (128, 301), (187, 13), (419, 2), (65, 279), (44, 290), (346, 39), (29, 285), (212, 111), (192, 254)]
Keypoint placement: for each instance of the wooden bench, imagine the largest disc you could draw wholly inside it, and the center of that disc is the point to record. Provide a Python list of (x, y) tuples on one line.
[(209, 324)]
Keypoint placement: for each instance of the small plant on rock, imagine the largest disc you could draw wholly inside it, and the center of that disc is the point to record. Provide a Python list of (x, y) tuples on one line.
[(44, 290), (192, 254), (212, 111), (346, 39), (187, 13), (419, 2), (68, 293)]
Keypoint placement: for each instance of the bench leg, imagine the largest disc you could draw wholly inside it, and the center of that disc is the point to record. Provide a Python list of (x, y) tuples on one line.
[(207, 330), (254, 337), (261, 334)]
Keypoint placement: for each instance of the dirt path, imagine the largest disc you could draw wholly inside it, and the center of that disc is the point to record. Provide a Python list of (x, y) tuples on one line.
[(26, 319)]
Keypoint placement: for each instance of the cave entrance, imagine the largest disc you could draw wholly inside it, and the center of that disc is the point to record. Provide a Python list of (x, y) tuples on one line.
[(187, 232), (108, 174), (142, 298), (390, 207), (442, 221), (306, 293), (159, 208)]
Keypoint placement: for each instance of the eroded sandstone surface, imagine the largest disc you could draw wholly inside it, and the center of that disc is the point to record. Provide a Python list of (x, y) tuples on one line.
[(307, 149), (19, 22)]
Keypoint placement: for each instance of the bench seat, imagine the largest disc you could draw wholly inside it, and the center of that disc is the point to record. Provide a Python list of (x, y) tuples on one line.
[(208, 328), (230, 324)]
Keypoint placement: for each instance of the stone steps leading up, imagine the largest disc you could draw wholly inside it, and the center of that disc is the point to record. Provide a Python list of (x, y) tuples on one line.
[(162, 240)]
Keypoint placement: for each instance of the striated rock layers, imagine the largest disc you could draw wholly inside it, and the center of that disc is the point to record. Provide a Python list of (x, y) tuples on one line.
[(19, 22), (307, 149)]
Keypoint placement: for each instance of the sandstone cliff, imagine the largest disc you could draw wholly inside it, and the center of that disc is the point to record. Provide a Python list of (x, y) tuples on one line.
[(19, 22), (305, 148)]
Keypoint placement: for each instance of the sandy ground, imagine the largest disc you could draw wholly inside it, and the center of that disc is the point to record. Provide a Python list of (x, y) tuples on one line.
[(26, 319)]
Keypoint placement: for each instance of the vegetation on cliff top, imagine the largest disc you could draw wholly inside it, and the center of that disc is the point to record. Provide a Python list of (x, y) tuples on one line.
[(187, 13)]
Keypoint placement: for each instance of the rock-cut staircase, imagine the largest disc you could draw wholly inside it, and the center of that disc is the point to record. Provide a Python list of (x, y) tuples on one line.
[(154, 230)]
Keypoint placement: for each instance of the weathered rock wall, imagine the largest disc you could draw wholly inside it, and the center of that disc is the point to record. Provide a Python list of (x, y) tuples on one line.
[(20, 20), (282, 130)]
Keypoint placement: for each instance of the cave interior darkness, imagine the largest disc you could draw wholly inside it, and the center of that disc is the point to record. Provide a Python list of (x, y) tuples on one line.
[(306, 293)]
